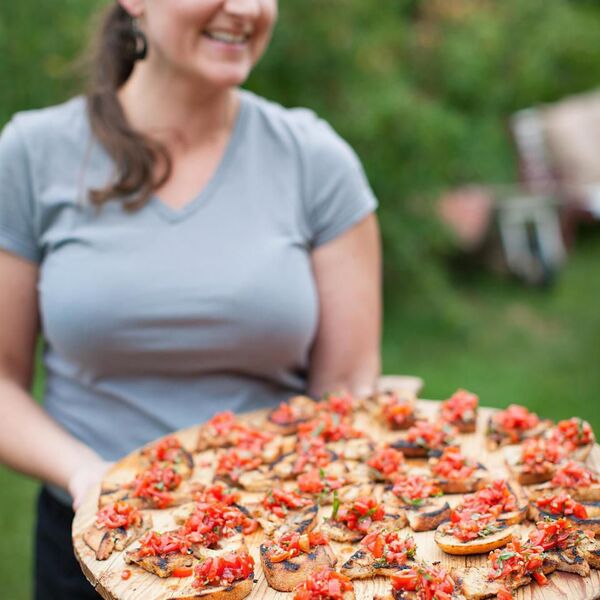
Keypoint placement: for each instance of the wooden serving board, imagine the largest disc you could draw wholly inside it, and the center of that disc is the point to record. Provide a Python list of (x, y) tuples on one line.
[(105, 576)]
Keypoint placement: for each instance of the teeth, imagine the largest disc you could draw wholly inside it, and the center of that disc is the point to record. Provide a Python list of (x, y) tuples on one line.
[(229, 38)]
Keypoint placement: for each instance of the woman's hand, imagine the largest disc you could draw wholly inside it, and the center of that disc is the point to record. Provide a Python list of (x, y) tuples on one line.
[(84, 477)]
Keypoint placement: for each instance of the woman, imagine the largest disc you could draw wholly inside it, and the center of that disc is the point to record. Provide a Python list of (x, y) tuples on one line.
[(183, 246)]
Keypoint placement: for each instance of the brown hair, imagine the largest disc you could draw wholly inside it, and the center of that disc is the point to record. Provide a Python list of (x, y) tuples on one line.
[(136, 156)]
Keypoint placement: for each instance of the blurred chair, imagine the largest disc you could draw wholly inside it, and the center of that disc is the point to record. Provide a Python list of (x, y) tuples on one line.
[(558, 148)]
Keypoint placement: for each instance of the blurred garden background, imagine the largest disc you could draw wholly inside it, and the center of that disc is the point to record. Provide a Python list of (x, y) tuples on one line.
[(423, 90)]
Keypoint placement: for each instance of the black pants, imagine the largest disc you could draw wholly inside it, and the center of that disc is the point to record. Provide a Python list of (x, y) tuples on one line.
[(58, 575)]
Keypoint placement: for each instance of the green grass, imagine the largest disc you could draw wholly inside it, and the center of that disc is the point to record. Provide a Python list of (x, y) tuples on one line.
[(509, 344)]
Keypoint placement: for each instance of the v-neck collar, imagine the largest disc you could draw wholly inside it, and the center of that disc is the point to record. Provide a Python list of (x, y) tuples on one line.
[(203, 196)]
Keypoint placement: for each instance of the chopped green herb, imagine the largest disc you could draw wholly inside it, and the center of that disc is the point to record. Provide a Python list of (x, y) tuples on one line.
[(336, 505)]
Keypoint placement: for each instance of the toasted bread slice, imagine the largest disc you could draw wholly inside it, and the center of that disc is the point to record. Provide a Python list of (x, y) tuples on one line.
[(358, 449), (394, 519), (235, 591), (428, 516), (512, 458), (301, 409), (163, 566), (497, 437), (475, 584), (589, 493), (452, 545), (105, 541), (300, 521), (592, 523), (412, 450), (284, 576), (363, 565), (182, 495), (464, 486)]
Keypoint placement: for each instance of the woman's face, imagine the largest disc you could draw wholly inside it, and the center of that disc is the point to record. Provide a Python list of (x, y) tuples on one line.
[(218, 41)]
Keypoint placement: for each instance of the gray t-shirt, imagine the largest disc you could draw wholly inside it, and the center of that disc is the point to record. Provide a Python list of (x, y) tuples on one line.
[(156, 319)]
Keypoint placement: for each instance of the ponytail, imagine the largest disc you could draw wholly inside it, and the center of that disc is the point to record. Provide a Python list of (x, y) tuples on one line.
[(136, 156)]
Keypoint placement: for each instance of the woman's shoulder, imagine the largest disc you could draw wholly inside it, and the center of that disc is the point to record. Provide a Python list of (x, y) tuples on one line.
[(42, 126), (298, 126)]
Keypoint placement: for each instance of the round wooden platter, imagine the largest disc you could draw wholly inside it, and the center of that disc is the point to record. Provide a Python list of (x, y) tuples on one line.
[(105, 576)]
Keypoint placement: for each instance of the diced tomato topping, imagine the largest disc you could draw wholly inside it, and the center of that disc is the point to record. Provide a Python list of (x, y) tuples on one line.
[(433, 436), (574, 474), (284, 414), (540, 455), (515, 561), (279, 502), (311, 452), (573, 433), (453, 465), (341, 404), (318, 482), (415, 489), (460, 407), (292, 543), (119, 515), (253, 440), (234, 462), (467, 525), (428, 582), (397, 411), (550, 535), (329, 427), (182, 572), (125, 574), (515, 420), (168, 449), (388, 461), (218, 493), (562, 504), (504, 594), (323, 584), (390, 547), (211, 522), (222, 423), (360, 514), (494, 494), (155, 483), (223, 570), (162, 544)]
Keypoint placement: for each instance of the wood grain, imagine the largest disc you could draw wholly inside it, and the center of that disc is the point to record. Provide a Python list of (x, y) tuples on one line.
[(105, 576)]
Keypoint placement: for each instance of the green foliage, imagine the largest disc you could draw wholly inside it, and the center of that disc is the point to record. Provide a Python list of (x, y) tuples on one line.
[(421, 88)]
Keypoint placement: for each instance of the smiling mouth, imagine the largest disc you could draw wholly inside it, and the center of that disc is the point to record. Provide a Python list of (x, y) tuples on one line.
[(226, 37)]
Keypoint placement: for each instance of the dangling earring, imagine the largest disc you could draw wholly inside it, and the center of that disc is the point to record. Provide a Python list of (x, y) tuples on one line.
[(140, 42)]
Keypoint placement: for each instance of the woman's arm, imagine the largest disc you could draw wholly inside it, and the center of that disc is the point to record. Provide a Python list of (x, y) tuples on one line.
[(346, 352), (30, 441)]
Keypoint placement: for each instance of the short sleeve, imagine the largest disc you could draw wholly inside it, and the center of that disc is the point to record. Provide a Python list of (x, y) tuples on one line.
[(17, 219), (338, 194)]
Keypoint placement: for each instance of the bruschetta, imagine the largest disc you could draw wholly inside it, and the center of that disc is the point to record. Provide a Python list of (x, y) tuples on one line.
[(116, 527), (425, 439), (381, 552), (325, 584), (555, 506), (351, 522), (229, 576), (574, 478), (420, 497), (290, 558), (457, 473), (285, 419), (574, 550), (460, 410), (576, 436), (422, 581), (535, 460), (513, 425)]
